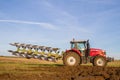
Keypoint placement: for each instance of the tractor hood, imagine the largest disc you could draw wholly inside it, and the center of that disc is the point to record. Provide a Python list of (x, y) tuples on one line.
[(95, 51)]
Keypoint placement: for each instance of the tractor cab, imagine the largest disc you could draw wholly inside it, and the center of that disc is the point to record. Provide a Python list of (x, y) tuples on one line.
[(82, 46)]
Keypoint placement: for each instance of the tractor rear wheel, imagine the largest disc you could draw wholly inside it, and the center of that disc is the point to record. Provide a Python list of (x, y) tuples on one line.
[(71, 59), (99, 61)]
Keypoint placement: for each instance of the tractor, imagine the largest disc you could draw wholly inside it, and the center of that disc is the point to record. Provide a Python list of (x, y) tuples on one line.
[(81, 53)]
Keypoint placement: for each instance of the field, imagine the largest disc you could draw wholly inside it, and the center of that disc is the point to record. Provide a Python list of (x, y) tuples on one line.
[(12, 68)]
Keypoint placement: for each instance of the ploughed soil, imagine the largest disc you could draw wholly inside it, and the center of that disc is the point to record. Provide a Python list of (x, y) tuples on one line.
[(60, 72)]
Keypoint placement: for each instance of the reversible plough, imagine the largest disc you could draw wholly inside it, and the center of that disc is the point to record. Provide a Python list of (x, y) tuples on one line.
[(38, 52), (80, 53)]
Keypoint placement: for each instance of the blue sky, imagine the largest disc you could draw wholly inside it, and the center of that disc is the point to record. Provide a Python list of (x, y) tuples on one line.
[(55, 22)]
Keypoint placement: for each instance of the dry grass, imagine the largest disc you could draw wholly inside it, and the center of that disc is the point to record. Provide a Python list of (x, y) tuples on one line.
[(13, 63), (22, 65), (16, 65), (17, 60), (114, 64)]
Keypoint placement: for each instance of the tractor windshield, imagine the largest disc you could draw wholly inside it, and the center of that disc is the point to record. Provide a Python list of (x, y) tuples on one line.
[(80, 46)]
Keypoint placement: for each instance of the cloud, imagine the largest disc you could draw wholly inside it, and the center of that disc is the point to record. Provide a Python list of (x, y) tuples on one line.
[(42, 24), (67, 21)]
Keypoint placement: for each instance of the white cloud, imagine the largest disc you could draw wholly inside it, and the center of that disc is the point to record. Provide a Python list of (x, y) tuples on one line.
[(67, 21), (42, 24)]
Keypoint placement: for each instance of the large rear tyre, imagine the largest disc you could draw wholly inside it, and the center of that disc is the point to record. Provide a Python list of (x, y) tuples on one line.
[(71, 59), (99, 61)]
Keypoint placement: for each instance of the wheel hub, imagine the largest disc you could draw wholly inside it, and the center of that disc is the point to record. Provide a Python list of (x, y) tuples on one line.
[(71, 60), (100, 62)]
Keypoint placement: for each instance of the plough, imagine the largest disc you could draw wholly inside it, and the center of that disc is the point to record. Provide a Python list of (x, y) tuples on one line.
[(37, 52)]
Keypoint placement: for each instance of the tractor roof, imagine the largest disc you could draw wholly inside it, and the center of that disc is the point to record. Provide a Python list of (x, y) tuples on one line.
[(78, 41)]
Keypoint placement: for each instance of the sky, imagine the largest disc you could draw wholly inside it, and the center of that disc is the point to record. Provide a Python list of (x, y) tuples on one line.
[(55, 23)]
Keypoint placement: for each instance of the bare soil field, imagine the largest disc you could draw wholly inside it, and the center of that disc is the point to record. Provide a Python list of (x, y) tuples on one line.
[(32, 69)]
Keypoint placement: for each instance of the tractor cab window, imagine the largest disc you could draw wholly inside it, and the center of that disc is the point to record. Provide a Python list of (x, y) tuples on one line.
[(81, 46)]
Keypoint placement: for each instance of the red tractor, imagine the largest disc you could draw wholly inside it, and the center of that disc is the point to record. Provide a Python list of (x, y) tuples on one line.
[(81, 53)]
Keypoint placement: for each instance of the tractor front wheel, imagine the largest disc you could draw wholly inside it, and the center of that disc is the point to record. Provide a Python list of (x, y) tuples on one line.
[(99, 61), (71, 59)]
